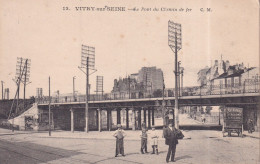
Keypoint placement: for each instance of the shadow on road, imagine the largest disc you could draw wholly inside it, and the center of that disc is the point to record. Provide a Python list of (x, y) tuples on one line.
[(27, 152), (182, 157)]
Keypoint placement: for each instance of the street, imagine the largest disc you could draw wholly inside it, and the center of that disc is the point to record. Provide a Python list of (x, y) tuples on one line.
[(99, 147)]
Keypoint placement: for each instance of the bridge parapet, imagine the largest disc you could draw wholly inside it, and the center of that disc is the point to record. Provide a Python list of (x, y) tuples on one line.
[(205, 91)]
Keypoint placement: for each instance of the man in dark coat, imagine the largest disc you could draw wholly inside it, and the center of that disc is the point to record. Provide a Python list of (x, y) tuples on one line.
[(144, 141), (170, 134)]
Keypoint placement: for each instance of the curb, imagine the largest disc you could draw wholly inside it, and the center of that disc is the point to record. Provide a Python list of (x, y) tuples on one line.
[(251, 136), (92, 138)]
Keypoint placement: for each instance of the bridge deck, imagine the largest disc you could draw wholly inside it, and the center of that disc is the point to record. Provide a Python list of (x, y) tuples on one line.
[(160, 99)]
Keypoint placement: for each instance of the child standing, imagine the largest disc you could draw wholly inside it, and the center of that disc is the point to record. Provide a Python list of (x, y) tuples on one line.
[(143, 141), (119, 135), (154, 140)]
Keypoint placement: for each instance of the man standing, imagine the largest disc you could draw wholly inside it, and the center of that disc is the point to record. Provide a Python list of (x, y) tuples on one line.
[(250, 125), (144, 141), (171, 140), (119, 135)]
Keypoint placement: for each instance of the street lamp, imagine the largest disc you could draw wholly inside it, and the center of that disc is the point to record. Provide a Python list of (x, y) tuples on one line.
[(175, 43)]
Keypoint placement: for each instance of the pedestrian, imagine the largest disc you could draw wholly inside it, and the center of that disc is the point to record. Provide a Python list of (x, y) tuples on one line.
[(119, 135), (144, 141), (203, 118), (154, 140), (250, 125), (172, 141)]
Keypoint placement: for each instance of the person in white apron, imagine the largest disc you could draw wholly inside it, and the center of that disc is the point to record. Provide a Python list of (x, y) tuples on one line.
[(154, 140)]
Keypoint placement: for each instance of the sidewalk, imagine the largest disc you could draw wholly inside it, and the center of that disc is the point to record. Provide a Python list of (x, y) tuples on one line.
[(107, 135), (10, 132), (252, 135)]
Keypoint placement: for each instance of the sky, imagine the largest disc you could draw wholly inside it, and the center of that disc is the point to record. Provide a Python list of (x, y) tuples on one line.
[(124, 41)]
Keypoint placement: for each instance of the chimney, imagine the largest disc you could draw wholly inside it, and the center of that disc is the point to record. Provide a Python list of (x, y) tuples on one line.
[(227, 64), (216, 62)]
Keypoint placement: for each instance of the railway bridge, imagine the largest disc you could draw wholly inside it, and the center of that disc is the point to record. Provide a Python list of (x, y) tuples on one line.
[(106, 114)]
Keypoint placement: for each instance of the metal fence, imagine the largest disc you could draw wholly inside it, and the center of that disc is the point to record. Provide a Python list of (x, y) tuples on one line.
[(246, 87)]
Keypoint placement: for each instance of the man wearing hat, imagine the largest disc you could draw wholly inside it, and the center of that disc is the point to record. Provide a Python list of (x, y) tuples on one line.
[(170, 135), (119, 135)]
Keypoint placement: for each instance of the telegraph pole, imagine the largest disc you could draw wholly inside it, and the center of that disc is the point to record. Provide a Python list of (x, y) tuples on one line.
[(87, 85), (25, 65), (174, 41), (87, 62), (176, 110)]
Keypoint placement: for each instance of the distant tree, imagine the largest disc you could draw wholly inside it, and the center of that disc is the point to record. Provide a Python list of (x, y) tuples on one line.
[(157, 93)]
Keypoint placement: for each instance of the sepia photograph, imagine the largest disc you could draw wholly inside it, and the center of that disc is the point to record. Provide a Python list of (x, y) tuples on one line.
[(129, 82)]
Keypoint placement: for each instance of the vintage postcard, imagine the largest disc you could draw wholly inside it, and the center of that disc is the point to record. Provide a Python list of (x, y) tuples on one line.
[(129, 81)]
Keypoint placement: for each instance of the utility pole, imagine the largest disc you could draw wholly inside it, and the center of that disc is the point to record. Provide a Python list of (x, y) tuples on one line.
[(2, 90), (74, 97), (163, 103), (87, 87), (49, 106), (25, 65), (20, 69), (175, 43), (179, 78), (87, 62)]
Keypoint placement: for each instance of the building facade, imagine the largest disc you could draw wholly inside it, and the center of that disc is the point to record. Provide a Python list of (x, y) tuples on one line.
[(151, 77), (138, 85)]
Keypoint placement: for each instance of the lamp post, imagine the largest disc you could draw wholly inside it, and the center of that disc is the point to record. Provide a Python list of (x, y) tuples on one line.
[(175, 43)]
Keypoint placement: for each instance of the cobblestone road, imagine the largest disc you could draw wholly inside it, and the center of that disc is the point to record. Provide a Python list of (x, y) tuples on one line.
[(203, 147)]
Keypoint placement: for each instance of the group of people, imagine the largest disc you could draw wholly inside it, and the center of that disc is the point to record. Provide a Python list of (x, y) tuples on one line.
[(170, 133)]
